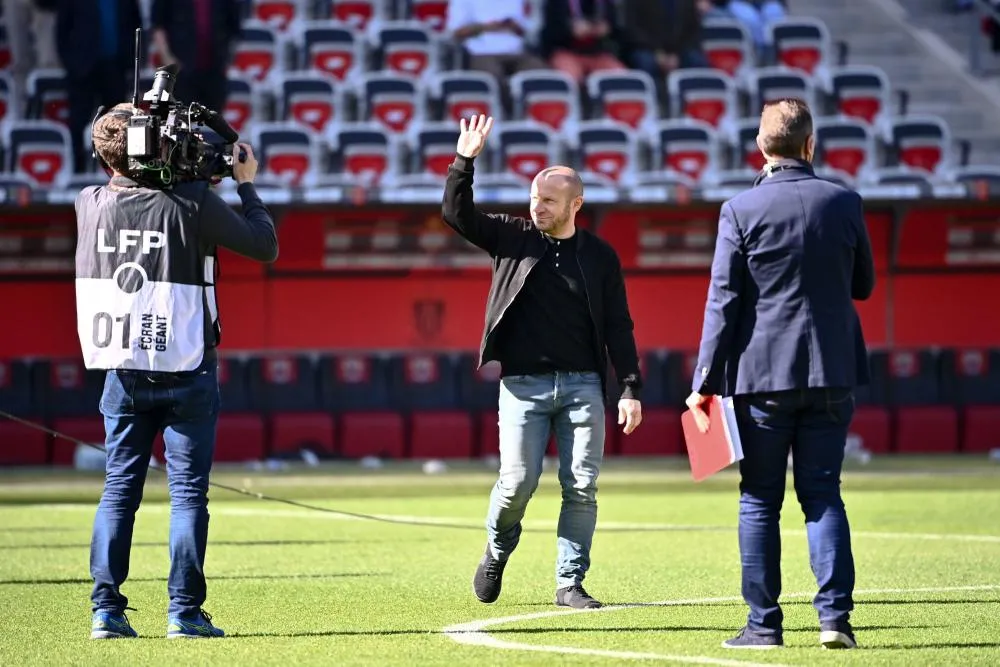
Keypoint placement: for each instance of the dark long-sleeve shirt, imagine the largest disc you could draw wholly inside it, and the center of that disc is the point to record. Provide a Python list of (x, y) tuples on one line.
[(252, 234)]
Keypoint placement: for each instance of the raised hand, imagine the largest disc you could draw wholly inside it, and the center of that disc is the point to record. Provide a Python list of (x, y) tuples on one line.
[(472, 136)]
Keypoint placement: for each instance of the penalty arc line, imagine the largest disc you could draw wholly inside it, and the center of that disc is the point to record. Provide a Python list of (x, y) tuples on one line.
[(473, 633)]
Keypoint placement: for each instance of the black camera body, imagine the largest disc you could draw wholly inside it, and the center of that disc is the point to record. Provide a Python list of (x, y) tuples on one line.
[(165, 141)]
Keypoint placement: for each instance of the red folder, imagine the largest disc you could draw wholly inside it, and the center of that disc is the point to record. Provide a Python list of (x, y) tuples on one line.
[(720, 447)]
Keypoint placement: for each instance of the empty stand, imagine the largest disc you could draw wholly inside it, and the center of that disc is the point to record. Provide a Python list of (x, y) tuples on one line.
[(703, 94), (608, 148), (551, 98), (355, 382), (432, 148), (363, 151), (628, 97), (22, 445), (922, 142), (47, 97), (67, 388), (406, 47), (479, 389), (688, 147), (279, 14), (462, 94), (439, 434), (768, 84), (88, 429), (331, 48), (236, 386), (431, 13), (727, 46), (10, 106), (980, 181), (243, 103), (659, 435), (359, 14), (861, 91), (525, 149), (258, 52), (424, 381), (310, 99), (391, 99), (801, 43), (287, 151), (746, 152), (39, 149), (19, 393), (845, 144)]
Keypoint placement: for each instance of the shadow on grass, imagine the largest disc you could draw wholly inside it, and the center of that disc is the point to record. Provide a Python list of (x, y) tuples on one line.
[(222, 577)]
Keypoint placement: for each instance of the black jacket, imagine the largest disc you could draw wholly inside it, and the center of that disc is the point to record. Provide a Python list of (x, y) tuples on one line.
[(516, 246)]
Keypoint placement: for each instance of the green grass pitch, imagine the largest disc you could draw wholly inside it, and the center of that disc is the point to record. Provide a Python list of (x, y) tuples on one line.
[(298, 587)]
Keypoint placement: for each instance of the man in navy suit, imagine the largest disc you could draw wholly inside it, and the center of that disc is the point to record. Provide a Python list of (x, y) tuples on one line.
[(782, 336)]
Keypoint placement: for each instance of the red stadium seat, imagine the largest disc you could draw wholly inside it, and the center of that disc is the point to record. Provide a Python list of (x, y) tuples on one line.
[(982, 428), (239, 437), (440, 435), (659, 435), (22, 445), (872, 424), (372, 434), (291, 432), (926, 429)]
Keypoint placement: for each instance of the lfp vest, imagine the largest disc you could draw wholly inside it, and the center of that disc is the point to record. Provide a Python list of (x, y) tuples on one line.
[(145, 285)]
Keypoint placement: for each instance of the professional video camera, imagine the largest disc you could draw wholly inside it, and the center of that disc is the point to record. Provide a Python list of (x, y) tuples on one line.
[(163, 140)]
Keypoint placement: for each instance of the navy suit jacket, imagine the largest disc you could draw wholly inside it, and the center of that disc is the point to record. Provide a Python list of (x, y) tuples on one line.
[(78, 33), (791, 255)]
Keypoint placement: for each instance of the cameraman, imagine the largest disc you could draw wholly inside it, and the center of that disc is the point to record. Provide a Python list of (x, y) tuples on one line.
[(147, 313)]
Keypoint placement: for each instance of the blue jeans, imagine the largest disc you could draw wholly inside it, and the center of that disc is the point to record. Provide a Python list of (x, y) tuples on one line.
[(812, 424), (532, 406), (136, 406), (756, 20)]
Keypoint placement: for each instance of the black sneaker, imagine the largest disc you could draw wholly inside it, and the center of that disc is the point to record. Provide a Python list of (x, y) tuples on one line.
[(575, 597), (838, 635), (489, 577), (751, 640)]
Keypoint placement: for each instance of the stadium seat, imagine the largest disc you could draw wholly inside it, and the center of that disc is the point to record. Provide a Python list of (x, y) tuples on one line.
[(845, 144), (653, 364), (926, 429), (980, 181), (18, 392), (47, 97), (971, 376), (5, 53), (10, 106), (873, 425), (686, 146), (746, 152), (258, 52), (394, 100), (679, 366), (310, 99), (607, 147), (279, 14), (89, 429), (660, 186), (627, 97), (659, 435), (981, 432), (896, 183), (432, 148), (236, 386), (463, 94), (862, 91), (406, 47), (363, 150), (244, 103), (703, 94), (913, 377), (331, 48), (22, 445), (424, 381), (354, 382), (727, 46), (292, 432), (801, 43), (380, 434), (432, 13), (479, 389), (359, 14), (285, 383), (923, 142), (728, 183), (441, 434), (67, 388), (525, 148), (39, 149), (287, 151), (240, 437), (767, 84), (551, 98)]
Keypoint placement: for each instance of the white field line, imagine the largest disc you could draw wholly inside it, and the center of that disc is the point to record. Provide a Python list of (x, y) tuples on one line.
[(473, 633), (536, 524)]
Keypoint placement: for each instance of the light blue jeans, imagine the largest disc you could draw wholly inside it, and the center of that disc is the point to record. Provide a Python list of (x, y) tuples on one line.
[(532, 407), (756, 20)]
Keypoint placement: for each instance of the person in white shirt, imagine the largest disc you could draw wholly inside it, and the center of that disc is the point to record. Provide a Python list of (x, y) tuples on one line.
[(493, 33)]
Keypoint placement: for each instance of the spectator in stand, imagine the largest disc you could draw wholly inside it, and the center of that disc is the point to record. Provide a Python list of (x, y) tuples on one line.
[(95, 39), (581, 36), (756, 16), (665, 35), (198, 35), (27, 19), (493, 35)]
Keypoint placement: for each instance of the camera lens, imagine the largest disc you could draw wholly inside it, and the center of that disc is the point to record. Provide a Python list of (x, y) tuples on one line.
[(163, 82)]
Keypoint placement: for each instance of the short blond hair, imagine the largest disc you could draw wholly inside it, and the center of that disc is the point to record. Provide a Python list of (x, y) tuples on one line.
[(785, 127), (110, 136)]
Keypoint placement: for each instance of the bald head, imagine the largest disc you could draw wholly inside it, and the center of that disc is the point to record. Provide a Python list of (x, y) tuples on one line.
[(556, 196), (561, 176)]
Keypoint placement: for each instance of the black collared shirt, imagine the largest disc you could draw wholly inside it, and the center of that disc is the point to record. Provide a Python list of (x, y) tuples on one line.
[(549, 326)]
